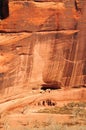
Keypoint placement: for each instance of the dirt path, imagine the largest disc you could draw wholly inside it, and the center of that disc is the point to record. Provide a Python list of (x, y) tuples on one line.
[(42, 99)]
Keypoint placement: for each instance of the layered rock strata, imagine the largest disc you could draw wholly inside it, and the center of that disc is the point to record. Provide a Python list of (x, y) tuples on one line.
[(42, 43)]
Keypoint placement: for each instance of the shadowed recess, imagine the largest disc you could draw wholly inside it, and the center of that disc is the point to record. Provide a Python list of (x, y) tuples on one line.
[(51, 86), (4, 9)]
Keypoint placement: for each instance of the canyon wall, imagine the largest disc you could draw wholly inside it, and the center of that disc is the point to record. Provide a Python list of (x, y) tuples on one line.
[(43, 44)]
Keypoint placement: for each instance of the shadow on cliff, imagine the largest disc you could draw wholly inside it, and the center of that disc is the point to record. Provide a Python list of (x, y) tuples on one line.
[(4, 9)]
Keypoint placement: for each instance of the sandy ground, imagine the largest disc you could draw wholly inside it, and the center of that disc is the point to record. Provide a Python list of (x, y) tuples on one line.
[(21, 111)]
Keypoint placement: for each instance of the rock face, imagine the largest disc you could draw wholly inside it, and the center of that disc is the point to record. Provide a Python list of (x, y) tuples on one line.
[(42, 44)]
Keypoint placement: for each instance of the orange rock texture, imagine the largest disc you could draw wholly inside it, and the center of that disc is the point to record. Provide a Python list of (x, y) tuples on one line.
[(43, 44)]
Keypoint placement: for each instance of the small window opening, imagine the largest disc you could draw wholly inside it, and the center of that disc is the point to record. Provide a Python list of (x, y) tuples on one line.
[(4, 9)]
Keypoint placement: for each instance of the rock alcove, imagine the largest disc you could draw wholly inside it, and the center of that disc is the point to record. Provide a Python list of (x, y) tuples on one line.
[(4, 9)]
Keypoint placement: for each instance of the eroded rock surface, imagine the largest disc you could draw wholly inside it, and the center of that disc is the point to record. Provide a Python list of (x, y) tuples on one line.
[(42, 42)]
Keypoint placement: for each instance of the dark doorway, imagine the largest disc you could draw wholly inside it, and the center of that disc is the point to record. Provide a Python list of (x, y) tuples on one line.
[(4, 9)]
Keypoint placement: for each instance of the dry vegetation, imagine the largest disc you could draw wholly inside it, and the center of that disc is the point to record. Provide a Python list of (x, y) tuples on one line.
[(76, 111), (50, 127)]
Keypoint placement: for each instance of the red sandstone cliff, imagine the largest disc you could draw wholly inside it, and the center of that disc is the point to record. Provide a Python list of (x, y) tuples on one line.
[(42, 43)]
